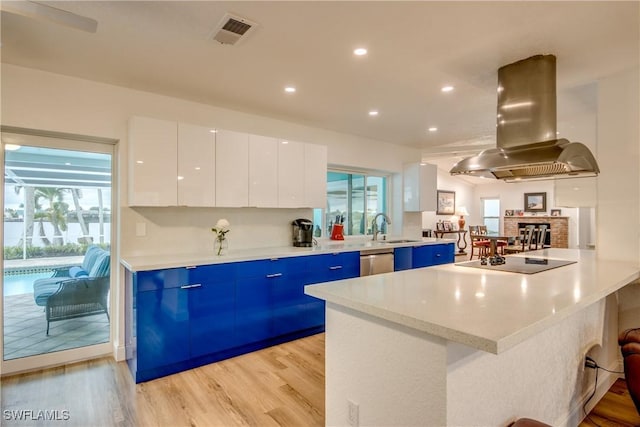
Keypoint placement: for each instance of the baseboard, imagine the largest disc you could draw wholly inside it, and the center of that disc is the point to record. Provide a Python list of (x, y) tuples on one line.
[(119, 352)]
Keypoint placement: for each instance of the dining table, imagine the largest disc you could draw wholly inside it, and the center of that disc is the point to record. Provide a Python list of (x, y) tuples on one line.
[(493, 240)]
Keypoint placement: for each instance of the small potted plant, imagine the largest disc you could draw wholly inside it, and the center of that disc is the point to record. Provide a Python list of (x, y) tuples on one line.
[(221, 243)]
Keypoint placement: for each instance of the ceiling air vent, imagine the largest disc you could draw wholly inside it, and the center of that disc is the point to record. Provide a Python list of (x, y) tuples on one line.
[(232, 29)]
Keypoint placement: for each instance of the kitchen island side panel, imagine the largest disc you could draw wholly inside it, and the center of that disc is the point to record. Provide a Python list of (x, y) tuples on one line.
[(395, 374), (542, 378)]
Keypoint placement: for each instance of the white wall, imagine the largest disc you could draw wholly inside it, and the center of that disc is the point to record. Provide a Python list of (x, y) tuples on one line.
[(41, 100), (464, 197), (618, 186), (511, 196)]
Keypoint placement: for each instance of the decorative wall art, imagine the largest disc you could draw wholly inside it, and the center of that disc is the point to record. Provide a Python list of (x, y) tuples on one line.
[(446, 203), (535, 202)]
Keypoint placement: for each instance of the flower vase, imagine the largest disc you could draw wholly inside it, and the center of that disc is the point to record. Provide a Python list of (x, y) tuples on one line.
[(220, 246)]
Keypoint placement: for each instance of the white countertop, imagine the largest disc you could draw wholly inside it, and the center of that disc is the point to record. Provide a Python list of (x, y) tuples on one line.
[(156, 262), (486, 310)]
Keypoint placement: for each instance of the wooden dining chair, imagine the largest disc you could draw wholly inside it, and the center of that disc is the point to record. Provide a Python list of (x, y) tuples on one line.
[(479, 246), (523, 241), (541, 237), (500, 244)]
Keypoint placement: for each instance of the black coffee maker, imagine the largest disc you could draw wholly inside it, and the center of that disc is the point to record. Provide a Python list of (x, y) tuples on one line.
[(302, 233)]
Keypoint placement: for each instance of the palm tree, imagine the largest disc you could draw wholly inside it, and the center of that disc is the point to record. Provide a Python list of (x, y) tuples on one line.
[(29, 211), (56, 212), (75, 192)]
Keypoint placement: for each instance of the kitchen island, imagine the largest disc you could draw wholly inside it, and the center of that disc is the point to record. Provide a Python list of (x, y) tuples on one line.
[(453, 345)]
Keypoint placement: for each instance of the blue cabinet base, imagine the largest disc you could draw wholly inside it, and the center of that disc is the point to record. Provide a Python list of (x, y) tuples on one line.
[(174, 368)]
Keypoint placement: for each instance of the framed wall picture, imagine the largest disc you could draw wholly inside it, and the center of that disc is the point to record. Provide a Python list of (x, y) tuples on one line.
[(535, 202), (556, 212), (446, 203), (508, 212)]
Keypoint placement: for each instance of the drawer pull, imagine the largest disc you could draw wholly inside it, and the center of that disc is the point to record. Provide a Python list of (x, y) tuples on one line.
[(271, 276), (438, 255), (196, 285), (335, 267), (191, 267)]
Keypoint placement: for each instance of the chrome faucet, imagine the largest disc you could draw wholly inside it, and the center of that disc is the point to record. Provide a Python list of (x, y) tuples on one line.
[(374, 225)]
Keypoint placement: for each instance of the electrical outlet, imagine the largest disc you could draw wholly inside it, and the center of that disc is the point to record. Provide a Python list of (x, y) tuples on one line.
[(590, 363), (353, 416)]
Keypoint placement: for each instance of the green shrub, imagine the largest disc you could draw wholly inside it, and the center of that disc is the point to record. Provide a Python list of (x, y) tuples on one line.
[(68, 249)]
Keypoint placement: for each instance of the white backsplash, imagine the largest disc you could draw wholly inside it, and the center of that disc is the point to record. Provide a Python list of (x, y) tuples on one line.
[(188, 230)]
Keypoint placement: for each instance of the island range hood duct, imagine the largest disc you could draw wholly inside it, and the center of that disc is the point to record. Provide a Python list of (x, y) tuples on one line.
[(527, 148)]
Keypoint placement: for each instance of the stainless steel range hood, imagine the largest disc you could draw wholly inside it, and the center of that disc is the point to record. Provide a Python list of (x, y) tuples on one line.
[(527, 147)]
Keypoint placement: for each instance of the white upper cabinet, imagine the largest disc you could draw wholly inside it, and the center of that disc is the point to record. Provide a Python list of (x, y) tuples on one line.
[(196, 166), (232, 169), (291, 172), (315, 182), (153, 146), (420, 187), (263, 171)]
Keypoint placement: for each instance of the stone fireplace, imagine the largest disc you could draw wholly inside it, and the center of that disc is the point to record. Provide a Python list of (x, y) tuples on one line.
[(558, 228)]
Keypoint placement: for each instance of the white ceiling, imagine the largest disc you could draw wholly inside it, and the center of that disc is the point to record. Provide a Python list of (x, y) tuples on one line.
[(414, 49)]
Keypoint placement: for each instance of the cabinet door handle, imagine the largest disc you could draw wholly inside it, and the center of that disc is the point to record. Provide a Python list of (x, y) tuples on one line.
[(196, 285), (438, 255), (335, 267), (271, 276)]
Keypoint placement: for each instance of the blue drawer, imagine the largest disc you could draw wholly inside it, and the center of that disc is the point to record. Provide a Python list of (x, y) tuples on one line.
[(184, 276)]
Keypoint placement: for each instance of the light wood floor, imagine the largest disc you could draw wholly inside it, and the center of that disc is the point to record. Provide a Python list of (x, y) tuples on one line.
[(615, 409), (281, 385)]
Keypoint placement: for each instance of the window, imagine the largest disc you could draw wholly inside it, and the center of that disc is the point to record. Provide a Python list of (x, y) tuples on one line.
[(353, 199), (491, 214)]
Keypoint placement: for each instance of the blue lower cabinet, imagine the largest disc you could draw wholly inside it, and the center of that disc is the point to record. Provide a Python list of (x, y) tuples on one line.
[(402, 258), (429, 255), (162, 327), (330, 267), (253, 309), (187, 317), (443, 254), (213, 316)]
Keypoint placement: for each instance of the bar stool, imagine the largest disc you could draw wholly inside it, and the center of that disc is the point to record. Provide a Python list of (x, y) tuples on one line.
[(629, 341), (528, 422)]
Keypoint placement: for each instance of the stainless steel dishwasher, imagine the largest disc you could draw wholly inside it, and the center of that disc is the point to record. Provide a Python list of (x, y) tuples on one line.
[(376, 261)]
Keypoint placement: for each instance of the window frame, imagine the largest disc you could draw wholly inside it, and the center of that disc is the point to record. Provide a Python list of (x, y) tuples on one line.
[(366, 174), (485, 217)]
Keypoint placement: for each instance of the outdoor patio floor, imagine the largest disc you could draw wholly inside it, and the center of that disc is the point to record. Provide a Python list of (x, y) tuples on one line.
[(25, 327)]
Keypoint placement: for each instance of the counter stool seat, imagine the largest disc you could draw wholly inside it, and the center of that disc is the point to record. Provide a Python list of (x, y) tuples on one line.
[(528, 422), (629, 335)]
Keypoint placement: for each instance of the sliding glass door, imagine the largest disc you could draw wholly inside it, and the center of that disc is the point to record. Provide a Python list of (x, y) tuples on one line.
[(57, 246)]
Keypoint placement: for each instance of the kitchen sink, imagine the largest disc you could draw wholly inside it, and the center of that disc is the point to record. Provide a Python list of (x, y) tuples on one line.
[(398, 241)]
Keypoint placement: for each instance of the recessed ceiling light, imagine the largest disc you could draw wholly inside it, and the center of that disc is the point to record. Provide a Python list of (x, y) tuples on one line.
[(360, 51), (290, 89), (447, 88), (373, 113), (284, 142), (139, 162), (433, 129), (214, 131)]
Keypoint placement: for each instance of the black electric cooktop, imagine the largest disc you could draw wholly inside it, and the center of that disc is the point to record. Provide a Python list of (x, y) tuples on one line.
[(516, 264)]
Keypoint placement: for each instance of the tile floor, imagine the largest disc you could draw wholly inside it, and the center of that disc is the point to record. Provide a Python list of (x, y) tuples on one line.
[(25, 327)]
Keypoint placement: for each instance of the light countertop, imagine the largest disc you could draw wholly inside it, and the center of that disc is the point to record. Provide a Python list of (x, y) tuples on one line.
[(156, 262), (486, 310)]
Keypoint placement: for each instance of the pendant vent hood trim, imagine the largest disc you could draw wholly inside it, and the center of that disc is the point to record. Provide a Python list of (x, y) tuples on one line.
[(526, 128)]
